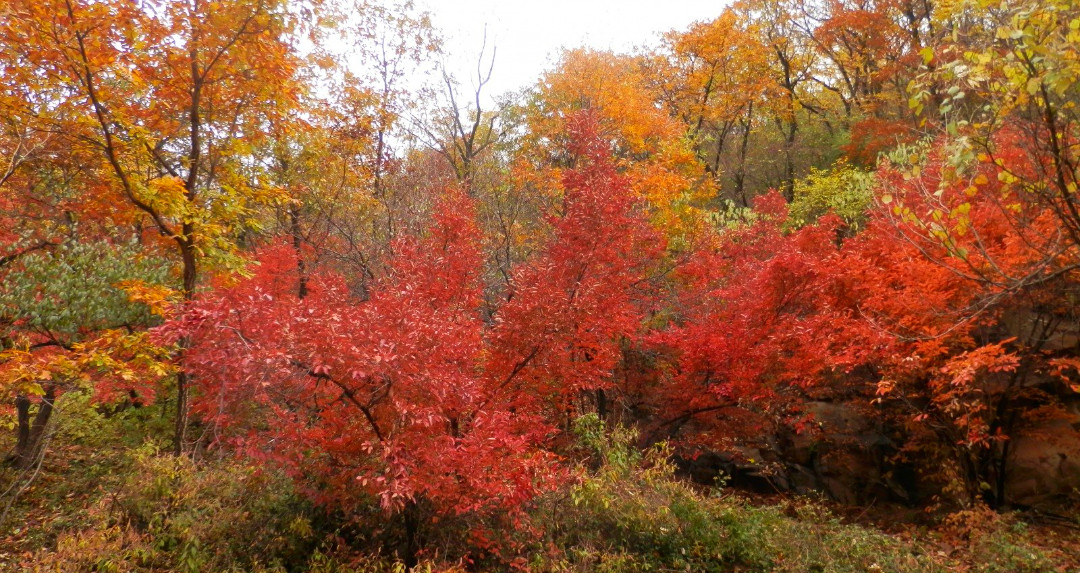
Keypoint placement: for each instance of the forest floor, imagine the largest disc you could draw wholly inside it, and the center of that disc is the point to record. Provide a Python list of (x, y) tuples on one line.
[(107, 498)]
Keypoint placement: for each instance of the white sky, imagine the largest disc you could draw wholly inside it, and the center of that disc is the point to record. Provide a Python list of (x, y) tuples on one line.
[(528, 34)]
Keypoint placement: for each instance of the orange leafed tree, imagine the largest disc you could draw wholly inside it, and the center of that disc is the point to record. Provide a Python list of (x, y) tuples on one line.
[(649, 146), (170, 99), (714, 78)]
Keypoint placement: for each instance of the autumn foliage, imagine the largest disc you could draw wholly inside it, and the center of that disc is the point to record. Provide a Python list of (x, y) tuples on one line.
[(410, 395), (795, 208)]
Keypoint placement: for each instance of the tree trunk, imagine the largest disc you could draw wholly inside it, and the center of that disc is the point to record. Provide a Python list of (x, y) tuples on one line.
[(298, 247), (22, 408), (789, 161), (180, 427), (187, 251), (31, 436), (740, 172), (411, 513)]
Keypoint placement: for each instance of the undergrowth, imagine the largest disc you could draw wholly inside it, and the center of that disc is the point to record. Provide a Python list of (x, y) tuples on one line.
[(109, 500)]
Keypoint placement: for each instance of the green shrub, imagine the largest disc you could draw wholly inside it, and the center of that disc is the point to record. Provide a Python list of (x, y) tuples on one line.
[(842, 189), (216, 515), (117, 509), (168, 513), (632, 514)]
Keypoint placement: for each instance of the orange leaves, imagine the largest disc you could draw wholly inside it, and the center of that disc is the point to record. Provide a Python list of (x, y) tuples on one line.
[(147, 96), (612, 87), (112, 363), (716, 70), (962, 370), (965, 381), (1062, 366), (942, 311), (649, 145)]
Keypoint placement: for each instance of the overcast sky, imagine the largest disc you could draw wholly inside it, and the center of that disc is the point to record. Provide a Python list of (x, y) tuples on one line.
[(528, 34)]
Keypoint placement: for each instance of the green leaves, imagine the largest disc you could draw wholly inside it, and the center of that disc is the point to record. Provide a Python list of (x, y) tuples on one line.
[(843, 189), (73, 289)]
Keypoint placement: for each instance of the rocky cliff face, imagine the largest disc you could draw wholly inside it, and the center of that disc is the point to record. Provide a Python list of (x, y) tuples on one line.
[(850, 457), (1044, 461)]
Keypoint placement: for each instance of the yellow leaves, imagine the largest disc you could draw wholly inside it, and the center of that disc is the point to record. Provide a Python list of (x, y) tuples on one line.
[(1041, 51), (1073, 36), (961, 218), (927, 54), (125, 355), (24, 371), (1033, 85), (159, 298), (169, 196), (113, 354), (1008, 33)]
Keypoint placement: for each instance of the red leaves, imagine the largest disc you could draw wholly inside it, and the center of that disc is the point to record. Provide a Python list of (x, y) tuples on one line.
[(412, 394), (924, 304), (762, 313), (560, 331), (388, 394)]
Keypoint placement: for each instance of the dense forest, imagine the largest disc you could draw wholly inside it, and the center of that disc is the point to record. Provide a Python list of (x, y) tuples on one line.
[(793, 289)]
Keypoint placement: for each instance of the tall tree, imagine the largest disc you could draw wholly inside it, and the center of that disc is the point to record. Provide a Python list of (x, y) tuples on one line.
[(791, 63), (172, 98), (648, 143), (714, 78)]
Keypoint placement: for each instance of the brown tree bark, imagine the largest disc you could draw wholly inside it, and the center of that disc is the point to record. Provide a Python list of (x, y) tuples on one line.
[(31, 435)]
